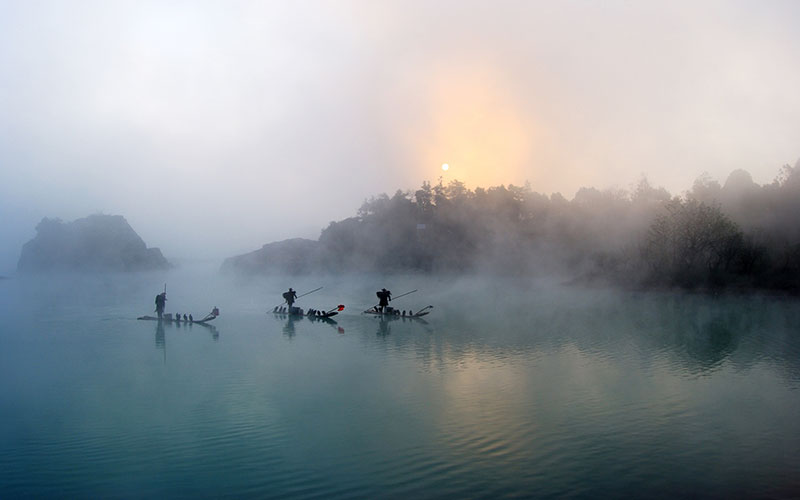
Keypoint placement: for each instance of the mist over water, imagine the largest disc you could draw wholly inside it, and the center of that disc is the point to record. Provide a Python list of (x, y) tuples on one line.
[(507, 389), (625, 145)]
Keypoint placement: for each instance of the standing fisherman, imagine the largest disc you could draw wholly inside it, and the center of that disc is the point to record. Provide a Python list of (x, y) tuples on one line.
[(384, 297), (290, 297), (161, 302)]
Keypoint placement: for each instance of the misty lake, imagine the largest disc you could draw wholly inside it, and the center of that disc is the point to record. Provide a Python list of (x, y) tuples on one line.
[(505, 391)]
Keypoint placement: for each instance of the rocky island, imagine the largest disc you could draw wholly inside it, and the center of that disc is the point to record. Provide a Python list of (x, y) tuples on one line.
[(94, 243)]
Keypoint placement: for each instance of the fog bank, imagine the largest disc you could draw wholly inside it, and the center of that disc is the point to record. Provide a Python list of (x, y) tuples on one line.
[(216, 128)]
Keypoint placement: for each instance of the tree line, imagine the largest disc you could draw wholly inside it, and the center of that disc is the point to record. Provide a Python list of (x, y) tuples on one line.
[(737, 234)]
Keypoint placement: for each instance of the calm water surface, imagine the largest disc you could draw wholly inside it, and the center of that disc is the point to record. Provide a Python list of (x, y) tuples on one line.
[(503, 392)]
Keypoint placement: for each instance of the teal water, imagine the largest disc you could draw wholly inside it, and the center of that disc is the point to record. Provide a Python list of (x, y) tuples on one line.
[(506, 391)]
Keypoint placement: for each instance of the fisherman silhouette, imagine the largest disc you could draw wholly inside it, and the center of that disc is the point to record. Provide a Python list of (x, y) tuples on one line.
[(290, 297), (384, 297), (161, 302)]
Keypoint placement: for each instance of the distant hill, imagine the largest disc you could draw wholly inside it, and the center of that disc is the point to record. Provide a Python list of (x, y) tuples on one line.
[(94, 243), (294, 256)]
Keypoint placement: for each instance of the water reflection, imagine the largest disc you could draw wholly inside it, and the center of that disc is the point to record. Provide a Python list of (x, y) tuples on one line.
[(330, 322), (710, 343), (214, 332), (290, 325), (384, 324), (288, 328), (579, 394), (701, 334), (384, 327), (694, 335), (161, 339), (212, 329)]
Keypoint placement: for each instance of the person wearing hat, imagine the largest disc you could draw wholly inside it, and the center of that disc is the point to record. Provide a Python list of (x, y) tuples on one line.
[(384, 297), (290, 297), (161, 302)]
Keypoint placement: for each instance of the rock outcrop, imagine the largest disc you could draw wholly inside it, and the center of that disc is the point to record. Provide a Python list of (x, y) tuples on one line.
[(94, 243)]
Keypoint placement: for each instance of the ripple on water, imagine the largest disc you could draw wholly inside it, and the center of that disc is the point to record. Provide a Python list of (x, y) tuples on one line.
[(590, 397)]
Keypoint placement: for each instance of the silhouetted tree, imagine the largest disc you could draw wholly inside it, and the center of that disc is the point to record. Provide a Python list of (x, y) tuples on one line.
[(691, 244)]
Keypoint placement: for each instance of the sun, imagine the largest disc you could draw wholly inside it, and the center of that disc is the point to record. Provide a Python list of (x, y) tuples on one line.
[(445, 167)]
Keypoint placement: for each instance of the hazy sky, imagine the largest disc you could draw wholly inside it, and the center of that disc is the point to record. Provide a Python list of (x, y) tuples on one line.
[(216, 127)]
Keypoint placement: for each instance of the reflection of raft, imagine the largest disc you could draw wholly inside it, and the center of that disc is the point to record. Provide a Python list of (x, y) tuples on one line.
[(167, 318), (298, 312), (312, 317), (395, 313)]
